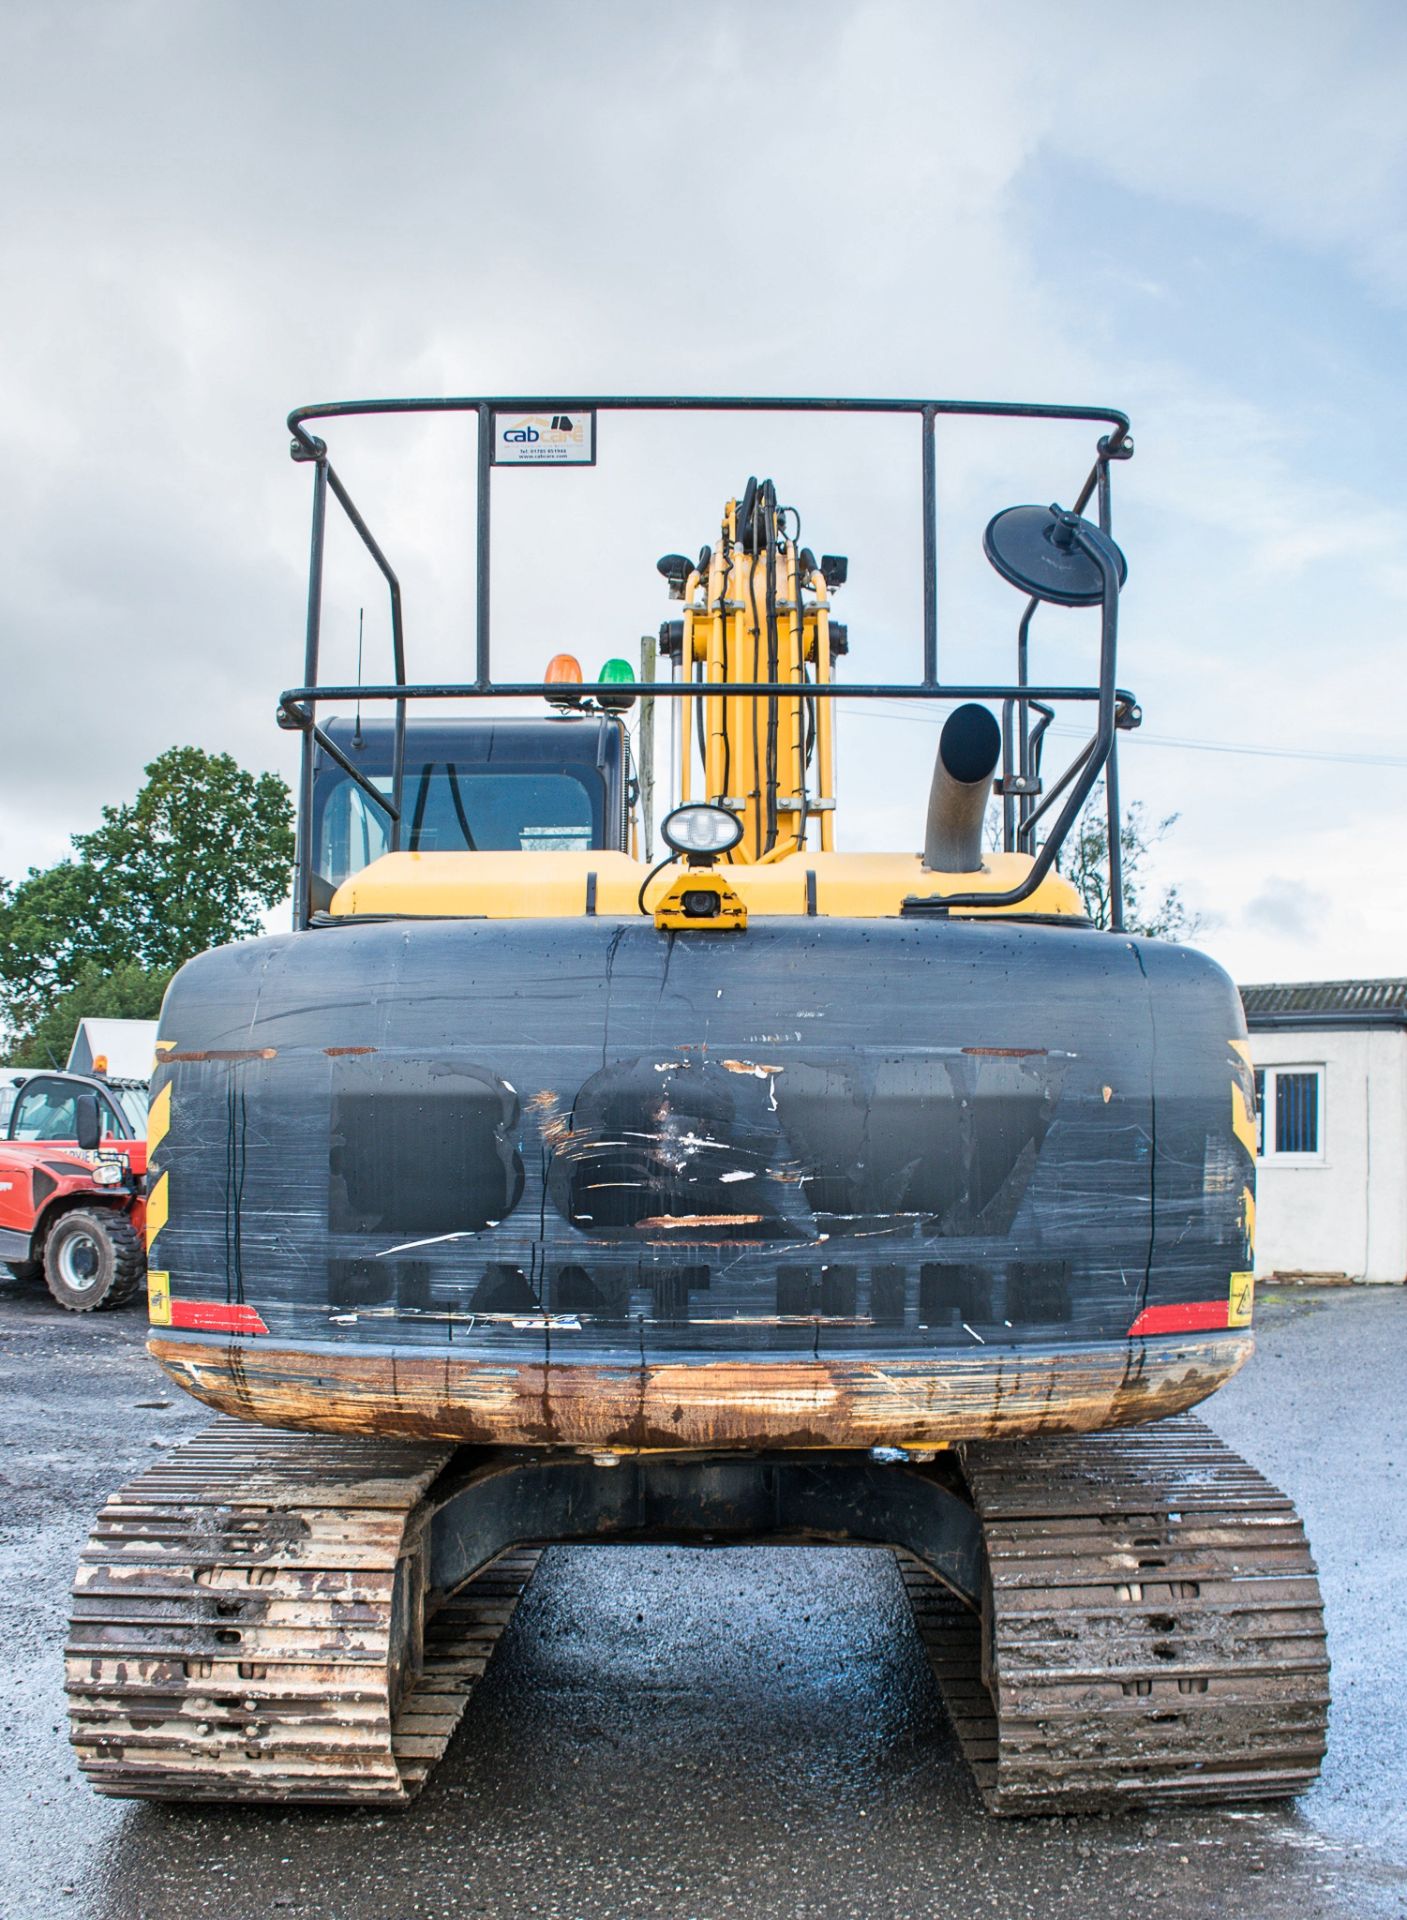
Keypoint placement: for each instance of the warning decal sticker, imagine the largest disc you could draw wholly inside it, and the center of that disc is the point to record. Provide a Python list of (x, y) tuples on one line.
[(1241, 1301)]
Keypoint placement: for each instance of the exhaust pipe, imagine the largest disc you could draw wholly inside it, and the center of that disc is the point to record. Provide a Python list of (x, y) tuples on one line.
[(968, 750)]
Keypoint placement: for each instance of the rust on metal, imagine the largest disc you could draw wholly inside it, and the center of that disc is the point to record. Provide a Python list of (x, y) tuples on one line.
[(920, 1400), (673, 1221), (254, 1620), (555, 1128), (225, 1053)]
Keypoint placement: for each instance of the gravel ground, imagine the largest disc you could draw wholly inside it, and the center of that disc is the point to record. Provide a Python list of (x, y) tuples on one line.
[(671, 1734)]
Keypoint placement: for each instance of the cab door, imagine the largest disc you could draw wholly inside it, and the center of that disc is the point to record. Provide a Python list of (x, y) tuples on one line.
[(46, 1109)]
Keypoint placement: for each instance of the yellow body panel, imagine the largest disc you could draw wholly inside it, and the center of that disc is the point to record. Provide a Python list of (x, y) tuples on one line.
[(748, 617), (158, 1209), (159, 1119), (554, 886)]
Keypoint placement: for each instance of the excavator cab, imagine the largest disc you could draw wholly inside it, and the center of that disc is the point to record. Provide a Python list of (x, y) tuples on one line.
[(490, 785)]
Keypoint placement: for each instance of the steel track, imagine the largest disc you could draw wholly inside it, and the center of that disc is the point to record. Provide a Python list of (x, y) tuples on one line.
[(247, 1624), (1153, 1631)]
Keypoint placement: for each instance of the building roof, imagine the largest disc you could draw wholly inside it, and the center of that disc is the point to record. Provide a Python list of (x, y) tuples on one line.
[(127, 1045), (1326, 1003)]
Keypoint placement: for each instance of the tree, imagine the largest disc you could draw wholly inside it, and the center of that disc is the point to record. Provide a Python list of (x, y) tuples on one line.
[(1085, 860), (198, 856), (54, 926), (192, 862), (129, 992)]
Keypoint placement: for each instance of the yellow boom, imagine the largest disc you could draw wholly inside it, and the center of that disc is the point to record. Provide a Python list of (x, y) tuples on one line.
[(758, 610)]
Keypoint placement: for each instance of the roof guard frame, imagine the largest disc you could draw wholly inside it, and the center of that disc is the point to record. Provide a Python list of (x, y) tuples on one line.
[(297, 707)]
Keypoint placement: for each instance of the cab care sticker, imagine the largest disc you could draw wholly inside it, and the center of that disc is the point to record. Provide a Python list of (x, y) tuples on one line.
[(544, 439)]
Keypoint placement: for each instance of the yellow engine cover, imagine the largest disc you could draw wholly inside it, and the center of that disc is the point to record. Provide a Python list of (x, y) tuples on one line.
[(557, 886)]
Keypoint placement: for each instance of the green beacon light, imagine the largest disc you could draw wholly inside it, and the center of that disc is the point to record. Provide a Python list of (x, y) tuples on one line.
[(618, 673)]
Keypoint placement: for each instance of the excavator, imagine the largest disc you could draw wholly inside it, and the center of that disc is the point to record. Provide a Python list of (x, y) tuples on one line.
[(534, 1189)]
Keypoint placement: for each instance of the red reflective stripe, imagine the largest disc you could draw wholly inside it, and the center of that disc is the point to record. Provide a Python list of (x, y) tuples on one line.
[(1189, 1316), (208, 1317)]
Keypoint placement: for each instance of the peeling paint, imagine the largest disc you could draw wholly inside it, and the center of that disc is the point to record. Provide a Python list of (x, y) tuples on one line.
[(847, 1401), (942, 1194), (702, 1220), (434, 1240)]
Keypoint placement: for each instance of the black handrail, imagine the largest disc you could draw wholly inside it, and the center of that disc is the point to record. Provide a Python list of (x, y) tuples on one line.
[(678, 690)]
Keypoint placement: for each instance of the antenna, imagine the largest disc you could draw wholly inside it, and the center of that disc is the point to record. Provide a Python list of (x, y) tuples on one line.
[(645, 772), (357, 729)]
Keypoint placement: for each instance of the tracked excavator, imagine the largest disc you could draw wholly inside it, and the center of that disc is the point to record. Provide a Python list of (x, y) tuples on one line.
[(533, 1189)]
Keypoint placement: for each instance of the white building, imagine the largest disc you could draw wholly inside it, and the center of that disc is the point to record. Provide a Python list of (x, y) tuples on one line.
[(1331, 1084), (127, 1047)]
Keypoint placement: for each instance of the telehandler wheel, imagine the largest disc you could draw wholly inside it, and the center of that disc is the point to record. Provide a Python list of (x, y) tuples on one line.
[(93, 1258)]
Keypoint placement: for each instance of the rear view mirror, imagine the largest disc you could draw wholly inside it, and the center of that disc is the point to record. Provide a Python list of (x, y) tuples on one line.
[(86, 1126), (1044, 552)]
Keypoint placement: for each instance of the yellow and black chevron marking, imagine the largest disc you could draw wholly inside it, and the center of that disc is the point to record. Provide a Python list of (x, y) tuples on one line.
[(158, 1202)]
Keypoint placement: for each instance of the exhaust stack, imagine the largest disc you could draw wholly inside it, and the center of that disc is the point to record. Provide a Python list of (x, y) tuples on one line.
[(968, 750)]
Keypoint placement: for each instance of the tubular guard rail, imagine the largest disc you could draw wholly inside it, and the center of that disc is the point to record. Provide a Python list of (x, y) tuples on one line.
[(1022, 743)]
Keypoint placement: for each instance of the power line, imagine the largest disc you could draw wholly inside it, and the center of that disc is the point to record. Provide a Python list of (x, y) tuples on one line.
[(1255, 749), (1262, 752)]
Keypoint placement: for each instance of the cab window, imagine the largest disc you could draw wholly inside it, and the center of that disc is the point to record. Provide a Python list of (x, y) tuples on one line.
[(48, 1110), (455, 810)]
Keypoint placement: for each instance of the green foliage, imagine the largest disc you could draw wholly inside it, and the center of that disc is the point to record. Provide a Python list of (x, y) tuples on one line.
[(53, 927), (192, 862), (196, 858), (127, 993), (1085, 860)]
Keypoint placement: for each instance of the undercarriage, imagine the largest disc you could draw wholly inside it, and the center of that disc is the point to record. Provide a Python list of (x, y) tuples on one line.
[(1120, 1619)]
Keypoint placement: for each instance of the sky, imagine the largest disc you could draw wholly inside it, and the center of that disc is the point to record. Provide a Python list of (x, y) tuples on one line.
[(1196, 214)]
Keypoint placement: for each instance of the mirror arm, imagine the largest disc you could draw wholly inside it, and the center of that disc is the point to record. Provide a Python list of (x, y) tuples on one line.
[(1071, 772), (1096, 754)]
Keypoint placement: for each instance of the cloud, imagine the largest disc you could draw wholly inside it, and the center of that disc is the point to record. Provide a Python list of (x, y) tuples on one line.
[(1287, 907), (245, 206)]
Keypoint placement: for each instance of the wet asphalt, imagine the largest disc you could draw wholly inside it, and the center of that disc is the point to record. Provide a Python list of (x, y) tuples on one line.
[(670, 1734)]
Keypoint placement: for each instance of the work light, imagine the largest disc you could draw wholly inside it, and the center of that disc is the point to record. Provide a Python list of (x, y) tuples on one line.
[(701, 831)]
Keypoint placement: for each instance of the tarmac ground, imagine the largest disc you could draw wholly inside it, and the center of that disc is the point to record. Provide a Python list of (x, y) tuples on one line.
[(686, 1734)]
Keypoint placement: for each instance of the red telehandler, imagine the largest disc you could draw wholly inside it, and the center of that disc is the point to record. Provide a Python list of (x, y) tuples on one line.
[(73, 1175)]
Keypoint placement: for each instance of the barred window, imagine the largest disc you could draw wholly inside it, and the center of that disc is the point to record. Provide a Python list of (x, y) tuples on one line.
[(1297, 1112), (1290, 1112)]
